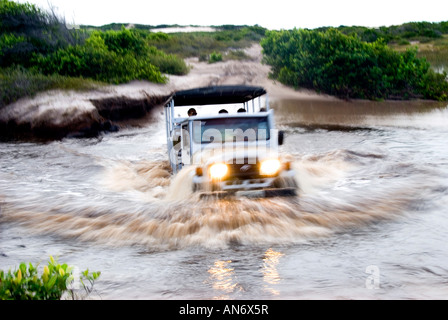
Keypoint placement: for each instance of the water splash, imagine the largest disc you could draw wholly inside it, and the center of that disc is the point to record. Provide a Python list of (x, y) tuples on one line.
[(169, 216), (146, 177)]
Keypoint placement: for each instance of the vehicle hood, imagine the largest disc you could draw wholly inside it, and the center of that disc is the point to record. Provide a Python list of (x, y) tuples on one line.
[(233, 154)]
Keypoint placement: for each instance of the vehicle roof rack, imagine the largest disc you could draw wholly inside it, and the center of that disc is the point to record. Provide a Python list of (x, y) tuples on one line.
[(217, 95)]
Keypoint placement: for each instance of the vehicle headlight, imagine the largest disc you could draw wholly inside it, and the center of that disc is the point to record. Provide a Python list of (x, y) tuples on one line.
[(218, 171), (270, 167)]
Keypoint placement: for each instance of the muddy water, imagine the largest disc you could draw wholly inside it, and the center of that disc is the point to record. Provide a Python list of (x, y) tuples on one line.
[(369, 223)]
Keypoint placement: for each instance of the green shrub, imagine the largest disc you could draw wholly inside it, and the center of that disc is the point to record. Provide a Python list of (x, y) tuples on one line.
[(345, 66), (94, 60), (25, 283), (215, 57), (38, 32), (14, 49), (158, 36), (124, 41), (167, 63), (435, 86), (403, 42), (133, 42)]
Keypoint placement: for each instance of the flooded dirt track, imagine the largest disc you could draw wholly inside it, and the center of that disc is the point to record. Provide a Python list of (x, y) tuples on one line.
[(370, 220)]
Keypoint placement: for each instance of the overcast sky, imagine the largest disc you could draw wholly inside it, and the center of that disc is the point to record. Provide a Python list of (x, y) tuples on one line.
[(274, 14)]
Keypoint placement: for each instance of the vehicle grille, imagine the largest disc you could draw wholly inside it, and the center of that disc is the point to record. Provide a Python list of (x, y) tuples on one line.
[(243, 171)]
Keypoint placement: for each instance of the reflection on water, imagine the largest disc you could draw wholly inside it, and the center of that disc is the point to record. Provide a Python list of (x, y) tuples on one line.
[(222, 278), (270, 273)]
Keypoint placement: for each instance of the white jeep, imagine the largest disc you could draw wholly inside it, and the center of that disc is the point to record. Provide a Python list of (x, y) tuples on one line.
[(228, 134)]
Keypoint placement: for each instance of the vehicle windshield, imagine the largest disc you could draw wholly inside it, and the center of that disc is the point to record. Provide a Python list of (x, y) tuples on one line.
[(231, 130)]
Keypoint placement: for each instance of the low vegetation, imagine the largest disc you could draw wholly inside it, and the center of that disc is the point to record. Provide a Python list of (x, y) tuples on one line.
[(114, 57), (435, 51), (56, 281), (345, 66), (17, 82), (430, 39), (404, 34), (201, 44)]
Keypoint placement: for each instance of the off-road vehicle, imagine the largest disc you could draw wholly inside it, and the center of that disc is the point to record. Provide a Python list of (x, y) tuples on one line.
[(228, 134)]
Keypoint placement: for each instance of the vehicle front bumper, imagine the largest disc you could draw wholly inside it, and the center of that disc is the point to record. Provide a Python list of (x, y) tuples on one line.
[(281, 185)]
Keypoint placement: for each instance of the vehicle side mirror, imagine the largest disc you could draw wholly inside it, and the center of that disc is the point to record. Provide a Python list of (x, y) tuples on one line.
[(281, 137)]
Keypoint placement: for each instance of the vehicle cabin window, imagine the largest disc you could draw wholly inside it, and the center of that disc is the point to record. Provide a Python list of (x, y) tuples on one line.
[(231, 129)]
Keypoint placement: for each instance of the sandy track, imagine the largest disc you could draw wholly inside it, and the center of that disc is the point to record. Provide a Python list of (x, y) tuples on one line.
[(249, 72)]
